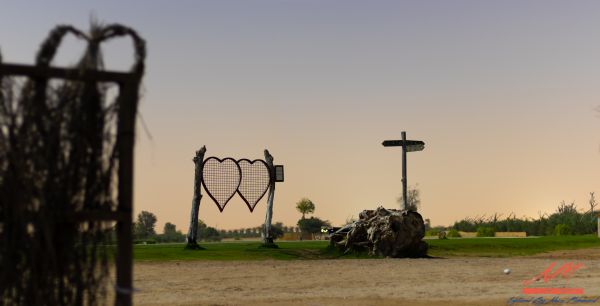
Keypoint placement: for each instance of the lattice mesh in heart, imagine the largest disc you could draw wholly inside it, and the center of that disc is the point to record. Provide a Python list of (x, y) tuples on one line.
[(255, 181), (221, 179)]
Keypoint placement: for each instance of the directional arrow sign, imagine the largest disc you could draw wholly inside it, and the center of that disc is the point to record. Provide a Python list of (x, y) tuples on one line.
[(411, 145), (415, 148)]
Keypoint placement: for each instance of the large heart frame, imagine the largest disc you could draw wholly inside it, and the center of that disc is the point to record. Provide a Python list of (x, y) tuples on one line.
[(229, 191), (252, 197)]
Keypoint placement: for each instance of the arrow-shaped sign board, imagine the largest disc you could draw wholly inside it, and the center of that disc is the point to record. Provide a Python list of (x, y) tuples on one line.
[(411, 145), (415, 148)]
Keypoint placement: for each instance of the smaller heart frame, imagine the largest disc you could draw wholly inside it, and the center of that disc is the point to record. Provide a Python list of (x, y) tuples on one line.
[(256, 179)]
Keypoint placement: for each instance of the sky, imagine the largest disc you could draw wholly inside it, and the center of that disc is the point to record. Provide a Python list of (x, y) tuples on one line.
[(504, 94)]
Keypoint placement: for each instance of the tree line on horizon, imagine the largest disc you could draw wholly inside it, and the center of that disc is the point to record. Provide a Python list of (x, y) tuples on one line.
[(566, 220), (144, 228)]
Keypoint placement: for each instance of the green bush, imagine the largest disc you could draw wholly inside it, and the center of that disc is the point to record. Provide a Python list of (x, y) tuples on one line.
[(562, 230), (312, 225), (208, 233), (579, 223), (485, 231), (453, 233), (432, 232)]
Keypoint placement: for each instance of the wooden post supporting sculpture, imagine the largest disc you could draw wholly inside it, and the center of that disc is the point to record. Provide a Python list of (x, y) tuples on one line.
[(193, 230), (267, 235)]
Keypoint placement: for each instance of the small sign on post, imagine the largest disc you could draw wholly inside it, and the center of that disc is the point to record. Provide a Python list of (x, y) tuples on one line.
[(278, 173), (407, 146), (411, 145)]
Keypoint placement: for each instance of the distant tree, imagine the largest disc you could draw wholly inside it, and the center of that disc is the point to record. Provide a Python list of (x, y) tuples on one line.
[(169, 229), (201, 226), (305, 206), (144, 227), (207, 233), (593, 203), (170, 234), (414, 199), (210, 234), (312, 225), (277, 230), (565, 208)]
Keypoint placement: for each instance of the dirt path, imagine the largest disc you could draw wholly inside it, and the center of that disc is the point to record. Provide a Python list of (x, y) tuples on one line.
[(453, 281)]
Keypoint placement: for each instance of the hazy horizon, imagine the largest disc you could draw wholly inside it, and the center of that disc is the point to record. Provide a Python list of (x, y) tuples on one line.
[(504, 94)]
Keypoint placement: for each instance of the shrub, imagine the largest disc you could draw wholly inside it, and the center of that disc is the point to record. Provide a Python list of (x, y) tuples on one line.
[(312, 225), (453, 233), (209, 234), (562, 230), (276, 230), (432, 232), (485, 231)]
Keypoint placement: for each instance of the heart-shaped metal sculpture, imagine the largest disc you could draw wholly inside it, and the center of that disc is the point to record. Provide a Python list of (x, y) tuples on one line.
[(221, 178), (256, 179)]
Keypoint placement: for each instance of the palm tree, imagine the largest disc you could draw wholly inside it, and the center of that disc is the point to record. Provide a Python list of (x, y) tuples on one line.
[(305, 206)]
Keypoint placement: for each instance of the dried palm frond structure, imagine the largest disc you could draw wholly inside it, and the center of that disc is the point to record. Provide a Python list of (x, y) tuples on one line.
[(66, 174)]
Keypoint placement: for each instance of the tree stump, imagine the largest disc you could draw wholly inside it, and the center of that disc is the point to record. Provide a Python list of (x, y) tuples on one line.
[(384, 232)]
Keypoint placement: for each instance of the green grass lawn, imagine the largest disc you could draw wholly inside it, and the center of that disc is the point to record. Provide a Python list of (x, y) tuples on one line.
[(506, 247), (483, 247)]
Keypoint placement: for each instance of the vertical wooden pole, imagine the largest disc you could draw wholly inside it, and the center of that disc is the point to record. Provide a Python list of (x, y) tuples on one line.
[(267, 235), (126, 141), (193, 230), (404, 181)]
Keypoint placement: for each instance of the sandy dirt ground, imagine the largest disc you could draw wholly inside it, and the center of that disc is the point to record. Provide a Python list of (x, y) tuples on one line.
[(440, 281)]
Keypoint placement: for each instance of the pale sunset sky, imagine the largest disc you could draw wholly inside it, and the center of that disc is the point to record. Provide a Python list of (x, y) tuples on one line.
[(504, 94)]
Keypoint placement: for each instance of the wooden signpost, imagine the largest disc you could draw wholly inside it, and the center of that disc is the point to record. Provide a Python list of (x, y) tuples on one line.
[(407, 146)]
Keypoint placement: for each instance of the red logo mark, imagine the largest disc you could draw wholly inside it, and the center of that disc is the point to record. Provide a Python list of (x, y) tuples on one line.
[(565, 271)]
